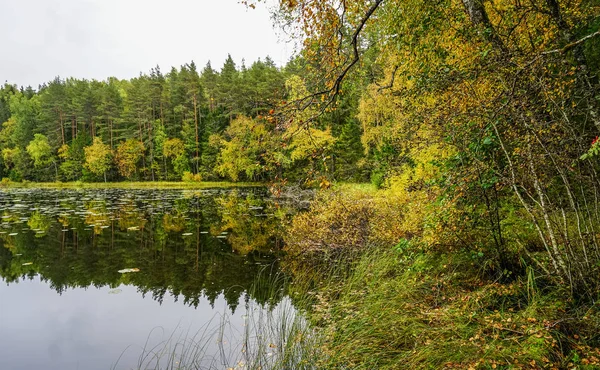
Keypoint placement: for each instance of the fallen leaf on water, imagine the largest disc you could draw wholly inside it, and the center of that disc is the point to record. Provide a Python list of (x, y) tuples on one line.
[(124, 271), (114, 291), (187, 234), (28, 263)]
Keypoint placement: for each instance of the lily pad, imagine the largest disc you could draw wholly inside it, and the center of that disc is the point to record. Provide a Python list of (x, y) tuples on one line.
[(124, 271)]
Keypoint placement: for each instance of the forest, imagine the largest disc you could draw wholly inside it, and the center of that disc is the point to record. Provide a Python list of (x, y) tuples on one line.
[(184, 125)]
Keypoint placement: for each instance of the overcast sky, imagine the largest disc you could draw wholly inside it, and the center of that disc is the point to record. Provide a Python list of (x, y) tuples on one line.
[(41, 39)]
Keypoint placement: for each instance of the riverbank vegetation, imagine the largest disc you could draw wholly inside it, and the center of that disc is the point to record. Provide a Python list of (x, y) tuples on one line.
[(480, 250), (128, 184), (418, 304)]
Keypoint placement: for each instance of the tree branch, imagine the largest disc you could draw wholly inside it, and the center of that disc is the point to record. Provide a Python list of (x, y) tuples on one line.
[(571, 45), (391, 84), (334, 90)]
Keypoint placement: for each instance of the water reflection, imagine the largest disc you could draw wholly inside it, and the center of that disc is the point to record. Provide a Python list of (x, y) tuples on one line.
[(92, 329), (192, 245)]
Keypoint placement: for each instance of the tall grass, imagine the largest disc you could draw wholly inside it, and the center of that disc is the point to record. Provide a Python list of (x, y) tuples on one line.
[(275, 335), (407, 308), (399, 308)]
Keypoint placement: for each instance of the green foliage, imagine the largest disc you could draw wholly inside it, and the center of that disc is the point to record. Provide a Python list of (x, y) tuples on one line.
[(73, 158), (163, 111), (127, 156), (468, 107), (173, 148), (184, 106), (378, 178), (246, 150), (98, 158), (190, 177), (40, 151), (593, 151)]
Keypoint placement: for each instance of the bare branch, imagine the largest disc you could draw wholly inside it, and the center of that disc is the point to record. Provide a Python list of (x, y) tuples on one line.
[(334, 90), (571, 45), (338, 82)]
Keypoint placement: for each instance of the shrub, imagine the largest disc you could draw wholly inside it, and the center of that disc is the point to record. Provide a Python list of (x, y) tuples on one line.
[(344, 222), (191, 177)]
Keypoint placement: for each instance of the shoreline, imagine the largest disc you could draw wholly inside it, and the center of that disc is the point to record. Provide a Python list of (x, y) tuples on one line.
[(130, 185)]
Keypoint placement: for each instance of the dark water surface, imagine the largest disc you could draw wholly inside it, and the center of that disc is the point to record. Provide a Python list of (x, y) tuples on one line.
[(90, 277)]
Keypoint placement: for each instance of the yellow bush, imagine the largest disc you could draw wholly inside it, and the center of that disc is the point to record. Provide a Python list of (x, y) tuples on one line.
[(191, 177), (355, 218), (340, 222)]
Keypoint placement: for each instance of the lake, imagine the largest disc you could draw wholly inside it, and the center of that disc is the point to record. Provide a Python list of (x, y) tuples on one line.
[(115, 278)]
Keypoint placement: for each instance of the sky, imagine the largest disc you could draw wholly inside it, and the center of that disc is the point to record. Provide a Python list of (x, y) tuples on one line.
[(96, 39)]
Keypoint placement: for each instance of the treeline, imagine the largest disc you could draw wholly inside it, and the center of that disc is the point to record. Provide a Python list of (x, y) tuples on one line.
[(185, 124)]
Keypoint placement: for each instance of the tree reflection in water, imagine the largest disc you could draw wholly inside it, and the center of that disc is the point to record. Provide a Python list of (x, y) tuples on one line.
[(193, 244)]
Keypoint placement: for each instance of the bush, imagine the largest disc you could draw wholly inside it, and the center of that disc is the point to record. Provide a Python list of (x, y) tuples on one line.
[(344, 222), (190, 177), (378, 178)]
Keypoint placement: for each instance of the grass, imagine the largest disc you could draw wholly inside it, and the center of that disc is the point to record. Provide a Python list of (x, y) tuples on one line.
[(360, 187), (275, 336), (419, 306), (128, 185), (412, 309)]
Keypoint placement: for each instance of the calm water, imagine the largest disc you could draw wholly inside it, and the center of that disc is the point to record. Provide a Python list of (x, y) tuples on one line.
[(90, 277)]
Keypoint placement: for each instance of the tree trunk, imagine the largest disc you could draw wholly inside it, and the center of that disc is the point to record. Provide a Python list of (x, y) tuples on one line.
[(110, 129), (476, 12), (479, 17), (196, 123), (62, 127)]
